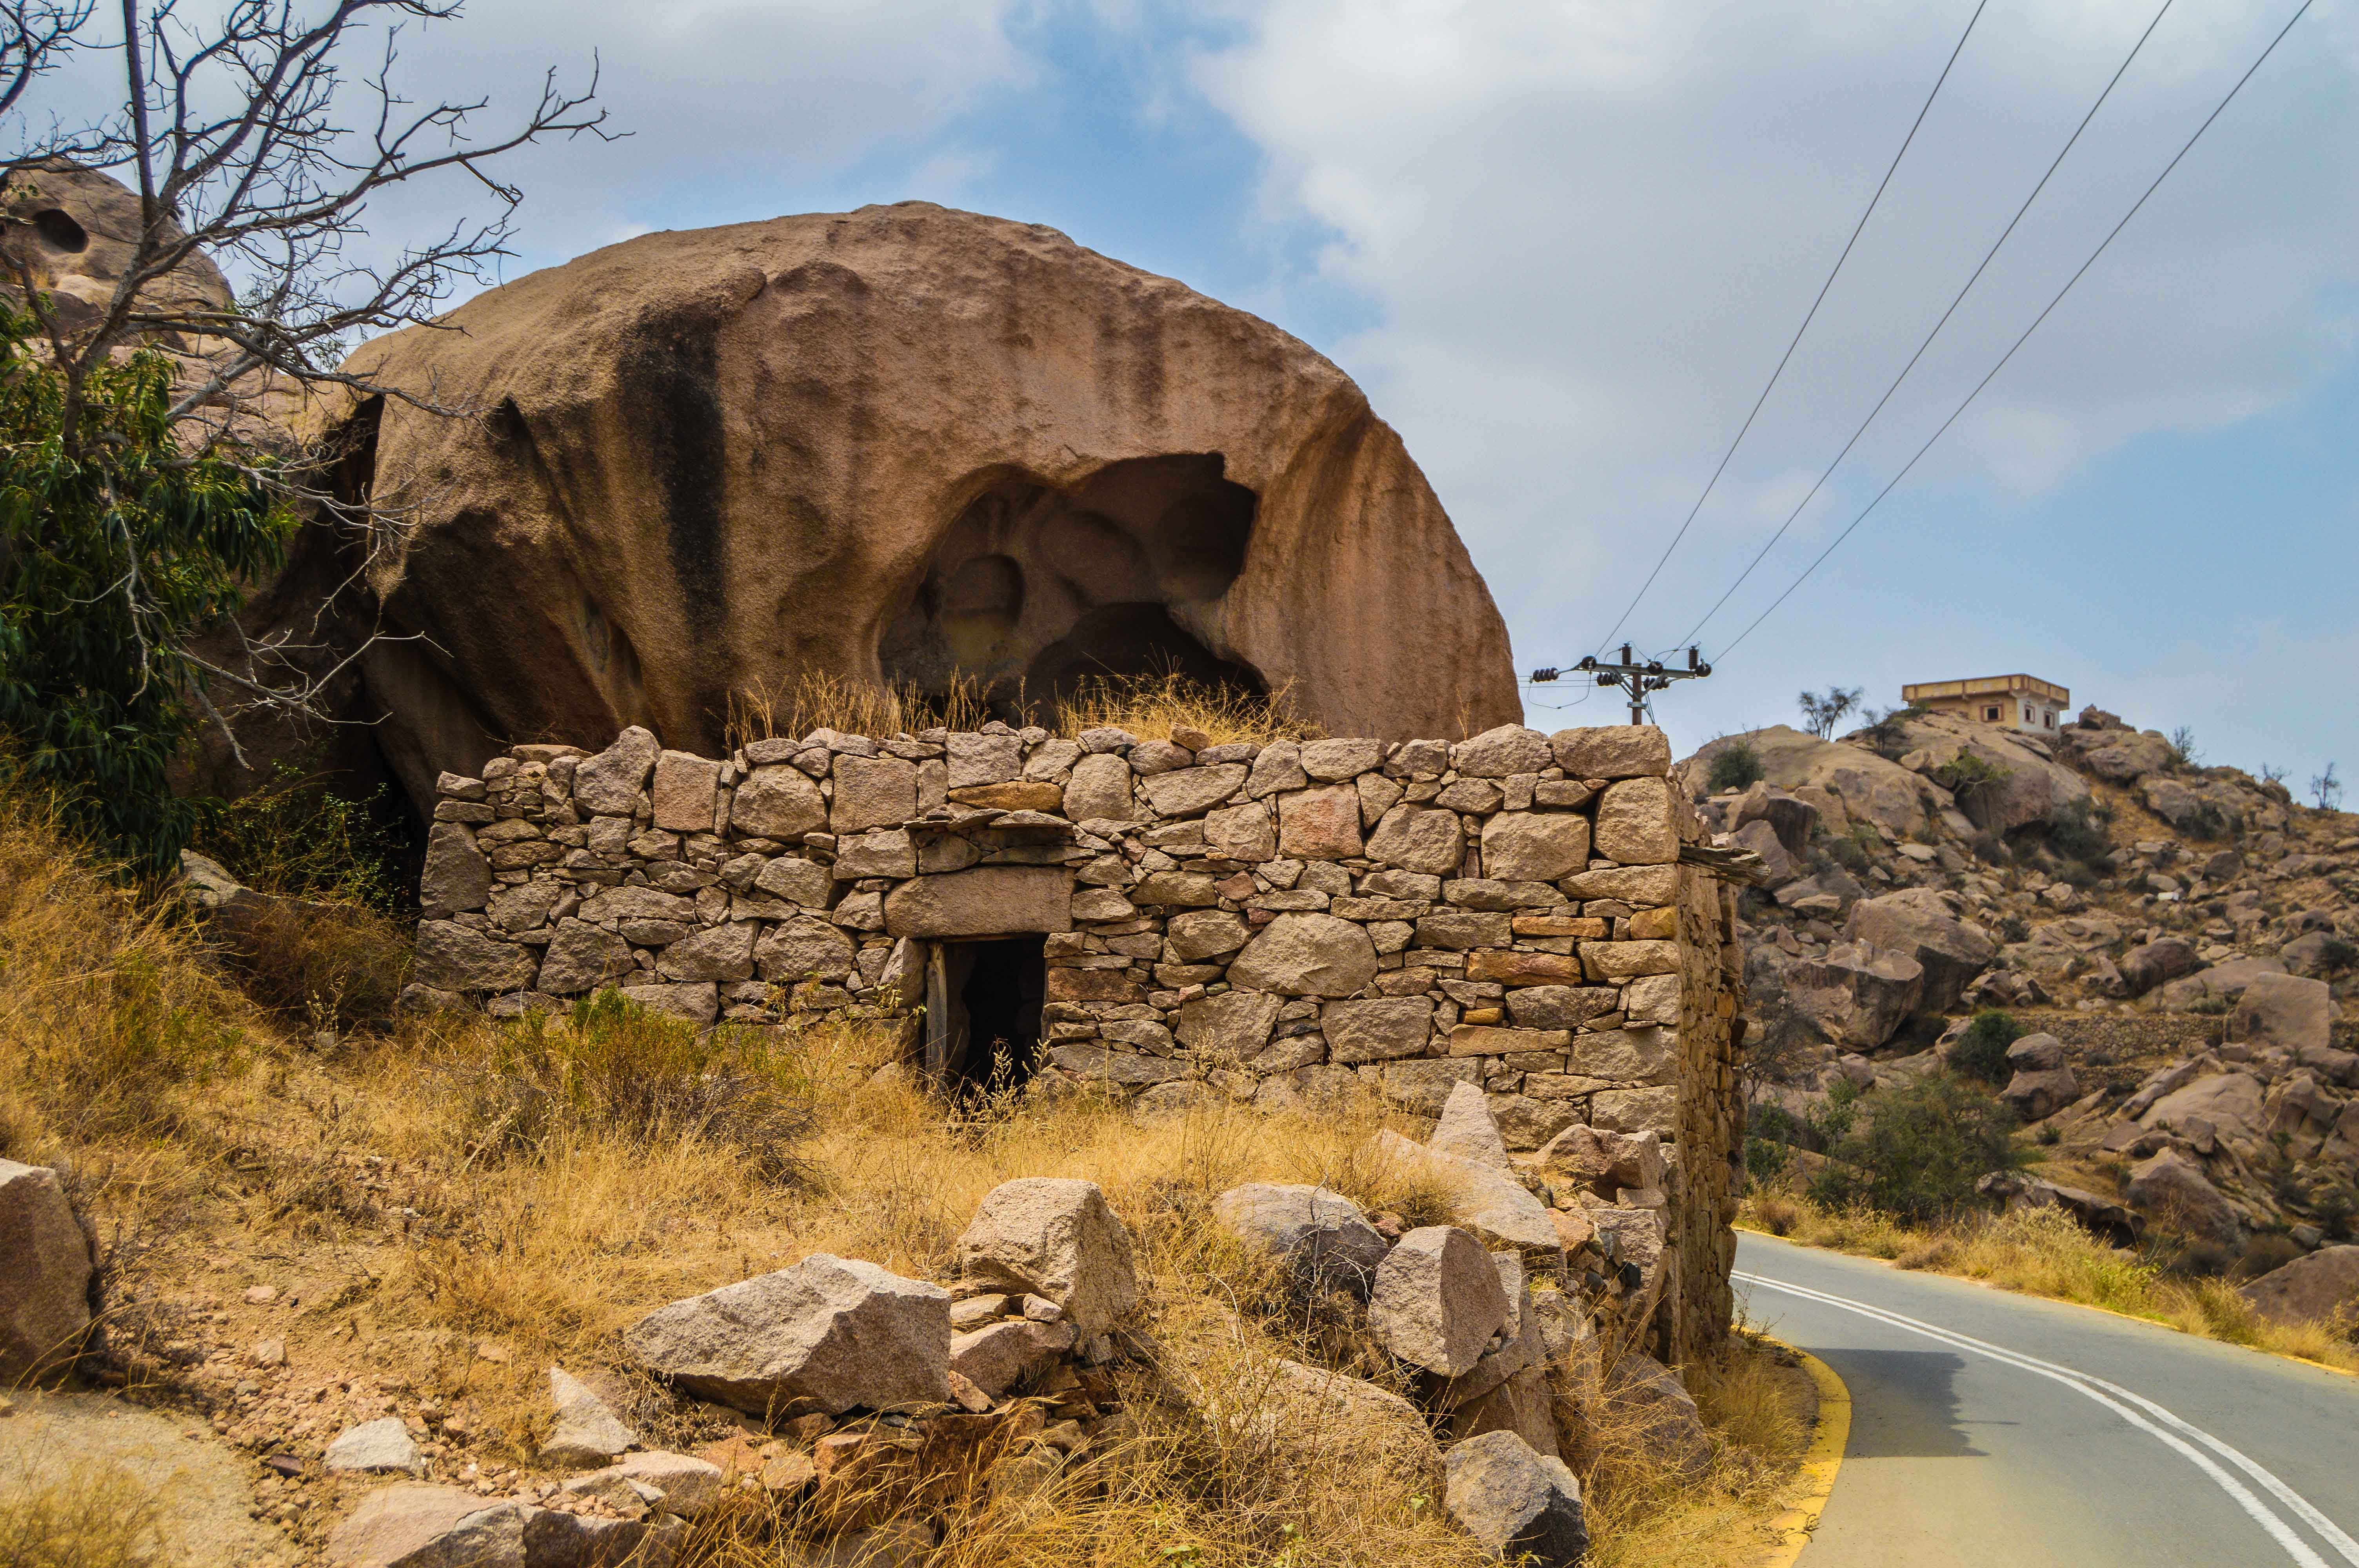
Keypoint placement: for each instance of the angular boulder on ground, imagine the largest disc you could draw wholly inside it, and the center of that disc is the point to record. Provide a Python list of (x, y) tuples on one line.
[(1486, 1200), (2171, 1191), (1437, 1300), (998, 1356), (1857, 995), (1467, 1129), (1322, 1234), (2151, 964), (45, 1273), (1057, 1239), (1521, 1505), (2285, 1010), (2043, 1081), (2223, 1105), (415, 1525), (587, 1433), (2320, 1288), (1915, 922), (375, 1446), (1656, 1410), (841, 1333)]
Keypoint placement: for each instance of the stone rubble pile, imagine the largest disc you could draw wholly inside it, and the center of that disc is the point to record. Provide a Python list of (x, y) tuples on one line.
[(870, 1400)]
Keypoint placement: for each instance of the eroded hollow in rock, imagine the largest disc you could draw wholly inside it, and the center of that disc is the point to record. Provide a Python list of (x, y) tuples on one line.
[(990, 995), (1034, 590)]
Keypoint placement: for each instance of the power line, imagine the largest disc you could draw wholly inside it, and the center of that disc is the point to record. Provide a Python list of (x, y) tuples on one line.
[(1987, 258), (1796, 342), (2043, 315)]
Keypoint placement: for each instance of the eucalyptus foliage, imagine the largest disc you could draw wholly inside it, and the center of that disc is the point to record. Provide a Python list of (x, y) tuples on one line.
[(116, 548)]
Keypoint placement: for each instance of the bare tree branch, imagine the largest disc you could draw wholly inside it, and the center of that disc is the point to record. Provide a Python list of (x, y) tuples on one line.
[(253, 144)]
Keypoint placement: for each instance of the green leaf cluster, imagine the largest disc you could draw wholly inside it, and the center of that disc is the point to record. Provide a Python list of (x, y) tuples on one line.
[(118, 546)]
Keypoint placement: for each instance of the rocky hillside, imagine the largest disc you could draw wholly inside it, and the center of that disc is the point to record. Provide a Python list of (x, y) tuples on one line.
[(2180, 944)]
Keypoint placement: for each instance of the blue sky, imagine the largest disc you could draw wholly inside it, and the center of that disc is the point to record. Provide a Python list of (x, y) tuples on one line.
[(1561, 245)]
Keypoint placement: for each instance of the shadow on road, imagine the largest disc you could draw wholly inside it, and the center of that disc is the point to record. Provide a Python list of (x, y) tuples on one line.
[(1904, 1404)]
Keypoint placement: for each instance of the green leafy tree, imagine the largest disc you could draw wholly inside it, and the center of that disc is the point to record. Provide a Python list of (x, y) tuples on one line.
[(146, 474), (1916, 1153), (116, 548)]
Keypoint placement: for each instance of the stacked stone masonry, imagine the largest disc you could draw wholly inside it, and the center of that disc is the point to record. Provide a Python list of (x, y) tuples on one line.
[(1273, 924)]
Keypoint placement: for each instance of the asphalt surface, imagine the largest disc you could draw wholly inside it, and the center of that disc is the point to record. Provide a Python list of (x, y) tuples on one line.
[(1999, 1429)]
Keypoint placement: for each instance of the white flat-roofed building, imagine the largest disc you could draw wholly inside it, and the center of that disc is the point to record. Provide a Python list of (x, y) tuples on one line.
[(2018, 702)]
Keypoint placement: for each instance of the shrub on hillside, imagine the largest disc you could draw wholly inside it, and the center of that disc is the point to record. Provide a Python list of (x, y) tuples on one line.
[(1738, 766), (333, 966), (610, 1069), (2077, 833), (1916, 1153), (1981, 1051), (298, 838)]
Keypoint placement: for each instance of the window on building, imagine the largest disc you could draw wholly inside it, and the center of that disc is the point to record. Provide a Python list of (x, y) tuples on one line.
[(1990, 715)]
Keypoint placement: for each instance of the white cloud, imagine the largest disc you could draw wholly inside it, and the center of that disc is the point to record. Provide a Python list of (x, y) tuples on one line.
[(1588, 230)]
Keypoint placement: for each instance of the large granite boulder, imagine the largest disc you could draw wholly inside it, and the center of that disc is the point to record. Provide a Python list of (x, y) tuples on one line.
[(1055, 1238), (1520, 1506), (1914, 921), (2309, 1290), (898, 444), (45, 1272), (840, 1332), (1857, 995)]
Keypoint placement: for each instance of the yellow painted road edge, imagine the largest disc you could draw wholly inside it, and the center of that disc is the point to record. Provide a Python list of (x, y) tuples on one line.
[(1821, 1462)]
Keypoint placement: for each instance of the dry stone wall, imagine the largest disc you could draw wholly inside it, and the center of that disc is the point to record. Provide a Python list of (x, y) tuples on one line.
[(1275, 924)]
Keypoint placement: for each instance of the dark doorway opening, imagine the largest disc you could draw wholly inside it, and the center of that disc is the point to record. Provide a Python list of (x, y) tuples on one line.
[(984, 1003)]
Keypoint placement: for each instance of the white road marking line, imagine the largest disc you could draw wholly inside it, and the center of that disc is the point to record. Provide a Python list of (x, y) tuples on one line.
[(2102, 1392)]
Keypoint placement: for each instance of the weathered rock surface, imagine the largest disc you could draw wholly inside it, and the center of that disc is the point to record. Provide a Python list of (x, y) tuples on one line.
[(2309, 1290), (375, 1447), (1915, 922), (2171, 1190), (2283, 1009), (968, 510), (1467, 1131), (1058, 1240), (45, 1272), (840, 1332), (1857, 995), (1656, 1409), (1307, 955), (1437, 1300), (1322, 1234), (998, 1356), (1523, 1507), (587, 1433)]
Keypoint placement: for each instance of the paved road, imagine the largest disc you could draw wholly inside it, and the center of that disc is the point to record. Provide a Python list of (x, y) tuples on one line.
[(1997, 1429)]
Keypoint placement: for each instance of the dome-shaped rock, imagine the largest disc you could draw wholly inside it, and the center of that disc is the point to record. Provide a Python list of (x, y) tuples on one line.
[(889, 445)]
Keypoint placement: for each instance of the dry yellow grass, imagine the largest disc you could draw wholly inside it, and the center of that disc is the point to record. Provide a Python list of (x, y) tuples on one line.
[(2042, 1252), (1149, 707), (81, 1514), (457, 1186)]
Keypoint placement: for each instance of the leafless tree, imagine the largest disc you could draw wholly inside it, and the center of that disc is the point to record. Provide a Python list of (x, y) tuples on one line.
[(251, 139)]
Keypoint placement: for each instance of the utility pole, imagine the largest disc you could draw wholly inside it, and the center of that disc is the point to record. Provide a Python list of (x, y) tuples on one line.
[(1636, 679)]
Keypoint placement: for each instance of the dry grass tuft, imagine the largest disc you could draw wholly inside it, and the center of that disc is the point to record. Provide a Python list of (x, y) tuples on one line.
[(2042, 1252), (85, 1513), (1150, 706)]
